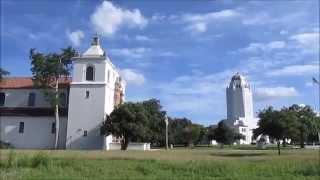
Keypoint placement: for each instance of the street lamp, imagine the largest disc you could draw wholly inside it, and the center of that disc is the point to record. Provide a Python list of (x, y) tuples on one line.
[(315, 81), (167, 123)]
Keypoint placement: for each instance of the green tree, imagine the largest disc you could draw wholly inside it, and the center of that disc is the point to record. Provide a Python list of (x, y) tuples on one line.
[(47, 70), (191, 133), (305, 124), (271, 123), (314, 135), (183, 132), (290, 121), (210, 133), (202, 138), (3, 73), (223, 134), (156, 121), (128, 122)]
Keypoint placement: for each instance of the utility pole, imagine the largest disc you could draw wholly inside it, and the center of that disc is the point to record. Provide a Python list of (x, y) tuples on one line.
[(316, 82), (167, 123)]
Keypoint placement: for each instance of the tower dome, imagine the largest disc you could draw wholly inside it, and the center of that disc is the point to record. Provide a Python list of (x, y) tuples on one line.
[(238, 81)]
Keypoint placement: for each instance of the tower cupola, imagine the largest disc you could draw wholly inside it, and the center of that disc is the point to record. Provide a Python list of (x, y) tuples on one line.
[(95, 49)]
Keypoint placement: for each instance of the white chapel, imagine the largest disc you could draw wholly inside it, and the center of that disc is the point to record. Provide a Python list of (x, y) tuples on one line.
[(96, 87)]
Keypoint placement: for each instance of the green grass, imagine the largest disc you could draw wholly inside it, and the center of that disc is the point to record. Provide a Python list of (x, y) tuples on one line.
[(199, 163)]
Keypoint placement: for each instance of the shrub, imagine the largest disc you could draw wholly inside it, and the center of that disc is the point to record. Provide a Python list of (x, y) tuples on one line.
[(11, 161), (5, 145), (39, 159)]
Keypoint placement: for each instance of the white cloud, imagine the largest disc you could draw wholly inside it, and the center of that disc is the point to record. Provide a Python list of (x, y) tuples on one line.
[(283, 32), (198, 27), (258, 47), (107, 19), (308, 41), (254, 18), (276, 45), (271, 93), (158, 17), (143, 38), (167, 54), (185, 92), (309, 84), (224, 14), (257, 19), (198, 22), (133, 77), (138, 52), (75, 37), (141, 53), (295, 70)]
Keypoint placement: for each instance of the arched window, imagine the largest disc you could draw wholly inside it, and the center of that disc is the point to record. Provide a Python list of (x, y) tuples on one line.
[(90, 73)]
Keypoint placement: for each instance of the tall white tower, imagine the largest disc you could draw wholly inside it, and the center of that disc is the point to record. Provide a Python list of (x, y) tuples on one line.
[(240, 108), (239, 100), (92, 97)]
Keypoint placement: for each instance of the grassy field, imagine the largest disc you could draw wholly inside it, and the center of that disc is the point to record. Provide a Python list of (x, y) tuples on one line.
[(201, 163)]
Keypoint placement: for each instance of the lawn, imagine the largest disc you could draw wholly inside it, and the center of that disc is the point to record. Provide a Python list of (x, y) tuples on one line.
[(181, 163)]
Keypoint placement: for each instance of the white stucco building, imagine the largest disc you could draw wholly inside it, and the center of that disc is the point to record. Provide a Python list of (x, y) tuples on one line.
[(240, 115), (96, 87)]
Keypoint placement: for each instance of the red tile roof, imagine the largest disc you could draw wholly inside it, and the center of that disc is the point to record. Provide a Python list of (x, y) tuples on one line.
[(26, 83)]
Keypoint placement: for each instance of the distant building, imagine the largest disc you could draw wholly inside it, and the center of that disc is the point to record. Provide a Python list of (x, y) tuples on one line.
[(27, 119), (240, 115)]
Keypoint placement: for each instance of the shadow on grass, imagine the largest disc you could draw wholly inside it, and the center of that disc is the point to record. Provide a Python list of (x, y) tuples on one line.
[(238, 154)]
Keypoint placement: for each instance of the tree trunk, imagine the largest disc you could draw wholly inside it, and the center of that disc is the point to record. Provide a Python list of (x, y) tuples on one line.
[(284, 142), (57, 114), (278, 144), (301, 139), (124, 144)]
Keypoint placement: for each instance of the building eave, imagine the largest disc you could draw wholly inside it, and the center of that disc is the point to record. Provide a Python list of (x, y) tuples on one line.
[(31, 111)]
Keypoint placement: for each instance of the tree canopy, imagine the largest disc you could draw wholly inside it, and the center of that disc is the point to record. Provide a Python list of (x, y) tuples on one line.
[(47, 69), (183, 132), (156, 121), (127, 122), (3, 73), (271, 123), (296, 123), (224, 134)]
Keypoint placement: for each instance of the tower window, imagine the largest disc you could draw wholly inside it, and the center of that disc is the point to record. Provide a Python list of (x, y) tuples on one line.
[(53, 128), (2, 99), (85, 133), (21, 127), (87, 94), (31, 99), (90, 73)]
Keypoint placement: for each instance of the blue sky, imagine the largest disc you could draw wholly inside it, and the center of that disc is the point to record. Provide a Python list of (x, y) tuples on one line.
[(182, 53)]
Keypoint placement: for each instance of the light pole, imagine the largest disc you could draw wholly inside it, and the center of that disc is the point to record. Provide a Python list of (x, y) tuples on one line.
[(315, 81), (167, 123)]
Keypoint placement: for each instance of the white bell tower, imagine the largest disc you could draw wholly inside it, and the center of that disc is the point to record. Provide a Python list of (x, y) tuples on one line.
[(91, 98)]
